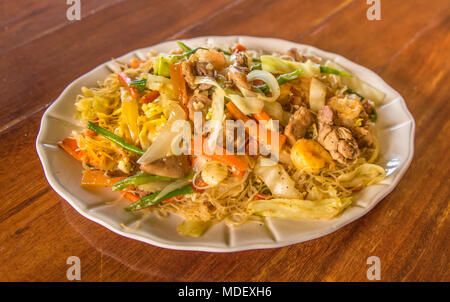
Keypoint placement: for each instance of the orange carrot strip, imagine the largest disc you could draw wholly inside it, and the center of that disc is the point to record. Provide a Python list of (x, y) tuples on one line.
[(134, 63), (260, 196), (262, 116), (149, 97), (179, 84), (98, 178), (239, 166), (70, 145), (125, 82), (130, 196), (267, 140), (239, 48)]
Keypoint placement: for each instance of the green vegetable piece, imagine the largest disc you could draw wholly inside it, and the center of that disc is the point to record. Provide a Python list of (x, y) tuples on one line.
[(162, 63), (256, 67), (349, 91), (114, 138), (256, 59), (183, 46), (139, 84), (326, 69), (149, 200), (282, 79), (373, 116), (139, 179), (224, 51)]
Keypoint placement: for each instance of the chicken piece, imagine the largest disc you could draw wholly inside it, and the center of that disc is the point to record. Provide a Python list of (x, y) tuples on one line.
[(337, 140), (363, 136), (188, 73), (296, 55), (170, 166), (241, 61), (298, 124), (198, 103), (239, 78), (368, 106)]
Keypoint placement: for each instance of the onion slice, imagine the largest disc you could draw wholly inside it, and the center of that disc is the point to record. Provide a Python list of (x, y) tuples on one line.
[(269, 79)]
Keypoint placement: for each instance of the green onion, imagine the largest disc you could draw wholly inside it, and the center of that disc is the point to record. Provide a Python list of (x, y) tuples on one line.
[(256, 59), (189, 53), (139, 179), (114, 138), (256, 66), (139, 84), (282, 79), (224, 51), (183, 46), (373, 116), (326, 69), (349, 91), (149, 200)]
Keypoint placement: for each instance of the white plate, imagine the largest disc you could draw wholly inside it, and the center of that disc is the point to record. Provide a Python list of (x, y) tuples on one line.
[(395, 128)]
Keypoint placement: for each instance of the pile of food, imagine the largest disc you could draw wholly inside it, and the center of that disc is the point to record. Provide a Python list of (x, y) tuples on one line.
[(315, 119)]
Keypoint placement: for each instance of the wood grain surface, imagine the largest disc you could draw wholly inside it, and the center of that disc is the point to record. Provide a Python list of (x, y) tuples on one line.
[(41, 52)]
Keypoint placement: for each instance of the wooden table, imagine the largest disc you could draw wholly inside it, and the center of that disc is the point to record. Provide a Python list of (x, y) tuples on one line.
[(41, 52)]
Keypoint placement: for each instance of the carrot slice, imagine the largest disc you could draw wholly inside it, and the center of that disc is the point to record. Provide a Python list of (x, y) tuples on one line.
[(239, 166), (267, 140), (134, 63), (149, 97), (262, 116), (179, 84), (98, 178), (70, 145), (125, 82), (239, 47), (130, 196)]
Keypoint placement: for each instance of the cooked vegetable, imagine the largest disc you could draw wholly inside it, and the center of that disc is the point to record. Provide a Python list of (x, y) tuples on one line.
[(364, 175), (276, 65), (114, 138), (327, 69), (213, 173), (130, 113), (324, 209), (317, 94), (161, 147), (150, 97), (149, 200), (179, 84), (183, 46), (276, 178), (163, 62), (263, 135), (358, 86), (224, 51), (139, 179), (134, 63), (98, 178), (308, 155), (172, 187), (130, 196), (270, 81), (193, 228), (139, 84), (282, 79), (125, 81), (218, 153), (373, 116), (70, 145)]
